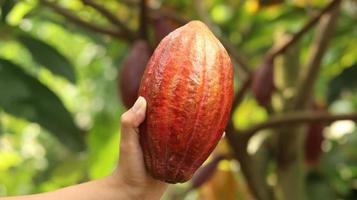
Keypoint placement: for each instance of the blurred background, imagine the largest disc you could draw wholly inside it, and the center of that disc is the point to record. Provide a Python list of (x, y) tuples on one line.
[(69, 69)]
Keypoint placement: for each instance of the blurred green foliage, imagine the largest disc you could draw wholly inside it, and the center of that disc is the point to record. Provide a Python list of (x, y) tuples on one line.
[(59, 108), (46, 117)]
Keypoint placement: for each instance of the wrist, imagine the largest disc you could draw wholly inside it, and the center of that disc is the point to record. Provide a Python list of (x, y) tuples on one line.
[(145, 190)]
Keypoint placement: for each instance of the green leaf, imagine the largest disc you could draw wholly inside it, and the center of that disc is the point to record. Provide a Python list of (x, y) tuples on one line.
[(6, 6), (24, 96), (103, 144), (346, 81), (48, 56)]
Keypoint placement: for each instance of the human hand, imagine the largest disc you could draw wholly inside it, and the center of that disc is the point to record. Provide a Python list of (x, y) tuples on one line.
[(131, 173)]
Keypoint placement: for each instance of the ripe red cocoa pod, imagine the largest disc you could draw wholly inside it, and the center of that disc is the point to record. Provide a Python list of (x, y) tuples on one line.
[(263, 82), (131, 72), (188, 85)]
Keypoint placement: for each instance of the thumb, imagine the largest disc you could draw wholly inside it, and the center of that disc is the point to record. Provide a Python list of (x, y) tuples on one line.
[(132, 118)]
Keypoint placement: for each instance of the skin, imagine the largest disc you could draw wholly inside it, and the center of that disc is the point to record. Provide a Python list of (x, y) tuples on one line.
[(130, 180)]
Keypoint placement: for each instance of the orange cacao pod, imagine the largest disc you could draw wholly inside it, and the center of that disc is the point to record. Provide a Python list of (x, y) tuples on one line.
[(131, 71), (188, 85)]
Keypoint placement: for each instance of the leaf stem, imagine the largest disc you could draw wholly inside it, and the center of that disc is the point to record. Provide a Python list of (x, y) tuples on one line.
[(75, 19), (110, 16), (143, 20), (298, 118), (309, 24)]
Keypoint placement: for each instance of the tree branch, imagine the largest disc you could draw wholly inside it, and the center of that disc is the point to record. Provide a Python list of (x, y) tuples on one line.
[(324, 33), (203, 15), (289, 151), (242, 64), (168, 13), (239, 96), (1, 122), (298, 118), (256, 183), (143, 19), (238, 143), (75, 19), (110, 16), (310, 23), (155, 12)]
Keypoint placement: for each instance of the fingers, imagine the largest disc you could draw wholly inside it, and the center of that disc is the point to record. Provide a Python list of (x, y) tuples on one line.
[(224, 134), (135, 115), (132, 118)]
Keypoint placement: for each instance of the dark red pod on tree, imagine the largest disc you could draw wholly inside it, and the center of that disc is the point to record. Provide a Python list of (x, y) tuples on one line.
[(204, 173), (188, 85), (314, 139), (263, 82), (162, 27), (131, 72)]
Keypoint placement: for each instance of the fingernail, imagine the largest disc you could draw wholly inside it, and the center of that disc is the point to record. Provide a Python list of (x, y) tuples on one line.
[(138, 104)]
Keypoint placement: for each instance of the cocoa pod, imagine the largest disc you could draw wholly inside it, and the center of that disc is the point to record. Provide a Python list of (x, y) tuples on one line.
[(188, 85), (162, 27), (313, 143), (263, 82), (205, 172), (131, 71), (314, 139)]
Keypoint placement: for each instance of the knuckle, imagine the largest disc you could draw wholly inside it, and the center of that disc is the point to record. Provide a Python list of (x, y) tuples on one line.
[(125, 120)]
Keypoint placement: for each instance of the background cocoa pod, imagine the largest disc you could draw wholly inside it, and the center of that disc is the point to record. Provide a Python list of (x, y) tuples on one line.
[(188, 85), (131, 71), (162, 27), (314, 139), (313, 143), (206, 172), (263, 82)]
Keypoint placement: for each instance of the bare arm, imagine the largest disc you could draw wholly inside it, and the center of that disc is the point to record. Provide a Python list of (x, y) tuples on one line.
[(129, 180)]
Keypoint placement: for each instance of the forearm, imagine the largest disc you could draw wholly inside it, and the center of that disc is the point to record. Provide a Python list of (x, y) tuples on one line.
[(153, 193), (103, 189), (94, 190)]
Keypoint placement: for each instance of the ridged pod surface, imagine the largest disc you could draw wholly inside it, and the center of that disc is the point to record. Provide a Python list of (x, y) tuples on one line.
[(188, 85)]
